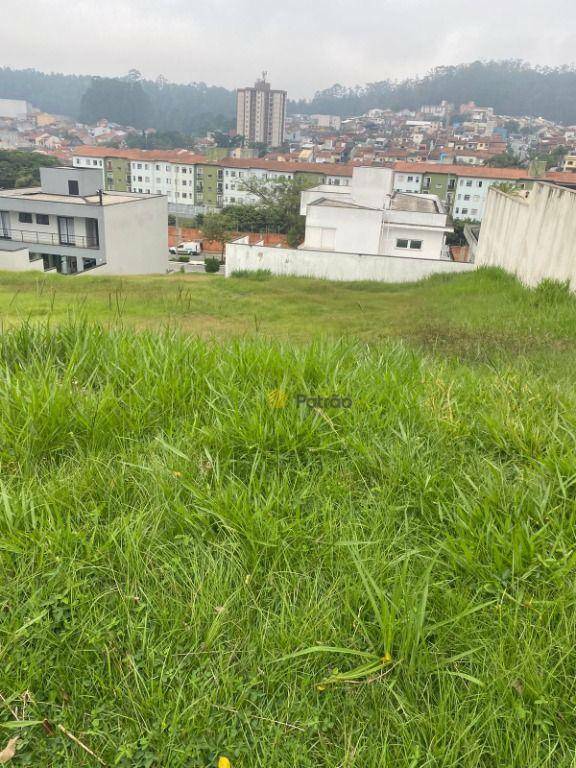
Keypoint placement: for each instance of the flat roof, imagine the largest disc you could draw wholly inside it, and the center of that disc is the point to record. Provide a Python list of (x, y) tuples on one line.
[(413, 203), (36, 194)]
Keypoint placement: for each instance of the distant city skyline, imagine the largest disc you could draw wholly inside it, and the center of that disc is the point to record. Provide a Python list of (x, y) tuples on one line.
[(304, 49)]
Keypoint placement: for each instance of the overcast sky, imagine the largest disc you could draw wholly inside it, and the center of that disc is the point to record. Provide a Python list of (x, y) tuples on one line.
[(305, 45)]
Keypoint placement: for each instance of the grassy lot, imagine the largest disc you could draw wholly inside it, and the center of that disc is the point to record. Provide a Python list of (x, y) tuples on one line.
[(191, 568)]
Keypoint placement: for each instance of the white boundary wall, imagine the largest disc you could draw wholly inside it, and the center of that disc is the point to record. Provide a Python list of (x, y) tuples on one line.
[(534, 237), (335, 266)]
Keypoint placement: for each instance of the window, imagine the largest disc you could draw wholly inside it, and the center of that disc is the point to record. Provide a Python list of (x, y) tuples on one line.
[(95, 162), (480, 184), (139, 166), (139, 178), (410, 178), (457, 210), (42, 218), (157, 167), (73, 187), (414, 245), (474, 212), (466, 197), (464, 211), (469, 183), (25, 218)]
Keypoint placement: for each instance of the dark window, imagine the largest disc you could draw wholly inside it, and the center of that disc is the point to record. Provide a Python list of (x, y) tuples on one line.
[(25, 218), (73, 187), (401, 243), (92, 236), (42, 218), (416, 245)]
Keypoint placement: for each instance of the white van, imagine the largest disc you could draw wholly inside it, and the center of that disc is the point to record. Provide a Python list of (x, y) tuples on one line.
[(190, 248)]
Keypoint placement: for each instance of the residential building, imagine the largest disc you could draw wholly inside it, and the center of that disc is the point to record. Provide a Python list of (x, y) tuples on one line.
[(461, 187), (15, 108), (261, 114), (569, 163), (371, 217), (69, 224)]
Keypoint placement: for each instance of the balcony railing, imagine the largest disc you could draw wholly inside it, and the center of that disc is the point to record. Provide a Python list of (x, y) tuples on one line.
[(49, 238)]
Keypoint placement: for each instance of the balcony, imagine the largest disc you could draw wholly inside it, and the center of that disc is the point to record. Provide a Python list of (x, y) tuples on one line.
[(28, 236)]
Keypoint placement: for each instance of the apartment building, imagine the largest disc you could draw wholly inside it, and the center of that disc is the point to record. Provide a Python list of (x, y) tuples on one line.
[(70, 225), (463, 188), (261, 114), (194, 184)]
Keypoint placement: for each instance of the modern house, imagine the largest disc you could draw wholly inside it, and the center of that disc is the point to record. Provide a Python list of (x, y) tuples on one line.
[(70, 225), (365, 231), (369, 217)]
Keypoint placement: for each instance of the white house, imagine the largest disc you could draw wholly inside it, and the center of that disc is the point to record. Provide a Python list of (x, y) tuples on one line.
[(365, 231), (70, 225), (369, 217)]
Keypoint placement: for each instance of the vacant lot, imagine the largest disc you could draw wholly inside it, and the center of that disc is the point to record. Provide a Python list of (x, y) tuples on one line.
[(191, 567)]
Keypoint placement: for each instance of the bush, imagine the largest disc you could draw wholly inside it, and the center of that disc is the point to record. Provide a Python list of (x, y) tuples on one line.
[(211, 264)]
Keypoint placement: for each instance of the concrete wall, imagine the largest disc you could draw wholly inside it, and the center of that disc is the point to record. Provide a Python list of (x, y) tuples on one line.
[(135, 237), (54, 181), (534, 238), (19, 261), (335, 266)]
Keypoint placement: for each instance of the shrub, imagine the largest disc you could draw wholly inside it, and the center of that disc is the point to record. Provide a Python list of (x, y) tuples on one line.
[(211, 264)]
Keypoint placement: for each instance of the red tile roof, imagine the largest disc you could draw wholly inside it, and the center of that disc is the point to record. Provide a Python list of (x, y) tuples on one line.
[(184, 157), (481, 172)]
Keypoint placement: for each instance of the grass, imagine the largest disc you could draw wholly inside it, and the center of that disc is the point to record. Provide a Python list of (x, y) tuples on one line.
[(189, 571)]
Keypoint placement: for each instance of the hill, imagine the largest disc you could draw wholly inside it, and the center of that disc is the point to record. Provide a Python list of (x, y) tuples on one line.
[(196, 564), (512, 87)]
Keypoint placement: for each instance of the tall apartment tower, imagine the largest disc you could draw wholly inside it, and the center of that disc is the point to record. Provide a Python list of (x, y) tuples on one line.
[(261, 114)]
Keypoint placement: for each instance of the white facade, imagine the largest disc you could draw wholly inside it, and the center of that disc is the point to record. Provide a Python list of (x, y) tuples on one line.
[(15, 108), (69, 225), (369, 217), (411, 183), (471, 193)]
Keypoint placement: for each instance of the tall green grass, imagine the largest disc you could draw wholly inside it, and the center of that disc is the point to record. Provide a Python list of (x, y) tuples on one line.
[(188, 572)]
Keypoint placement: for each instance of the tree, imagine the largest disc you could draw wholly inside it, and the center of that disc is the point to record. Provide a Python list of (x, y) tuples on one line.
[(281, 203), (506, 160), (121, 101), (216, 228), (22, 169)]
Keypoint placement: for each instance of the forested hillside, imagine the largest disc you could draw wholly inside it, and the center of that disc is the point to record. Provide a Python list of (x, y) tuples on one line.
[(511, 87)]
